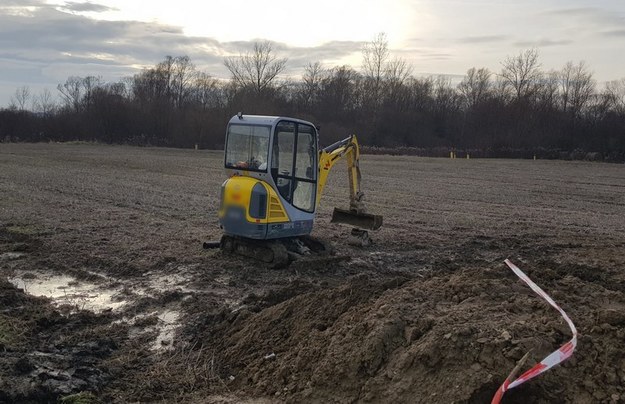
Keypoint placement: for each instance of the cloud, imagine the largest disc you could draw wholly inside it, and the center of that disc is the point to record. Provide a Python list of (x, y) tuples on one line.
[(571, 11), (44, 44), (19, 3), (614, 33), (484, 39), (585, 17), (542, 43), (415, 53), (329, 52), (87, 7), (48, 35)]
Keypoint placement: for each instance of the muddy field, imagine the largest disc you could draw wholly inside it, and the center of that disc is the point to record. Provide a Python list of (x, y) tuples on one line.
[(106, 294)]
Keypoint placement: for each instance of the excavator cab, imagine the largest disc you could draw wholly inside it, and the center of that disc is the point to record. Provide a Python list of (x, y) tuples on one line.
[(272, 189)]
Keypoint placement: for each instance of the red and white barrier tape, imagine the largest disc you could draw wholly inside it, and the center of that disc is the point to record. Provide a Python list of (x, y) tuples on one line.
[(550, 361)]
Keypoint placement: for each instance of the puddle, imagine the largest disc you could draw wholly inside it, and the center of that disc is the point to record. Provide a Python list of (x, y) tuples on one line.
[(66, 290), (83, 295)]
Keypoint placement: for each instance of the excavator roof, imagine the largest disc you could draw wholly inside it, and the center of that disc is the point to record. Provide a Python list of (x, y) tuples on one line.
[(264, 119)]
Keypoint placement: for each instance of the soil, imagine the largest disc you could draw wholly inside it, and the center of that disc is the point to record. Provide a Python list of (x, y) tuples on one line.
[(428, 313)]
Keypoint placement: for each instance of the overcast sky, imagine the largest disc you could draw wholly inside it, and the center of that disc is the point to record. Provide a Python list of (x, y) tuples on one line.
[(44, 42)]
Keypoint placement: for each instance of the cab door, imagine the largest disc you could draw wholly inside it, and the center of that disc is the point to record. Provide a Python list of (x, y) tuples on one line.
[(294, 164)]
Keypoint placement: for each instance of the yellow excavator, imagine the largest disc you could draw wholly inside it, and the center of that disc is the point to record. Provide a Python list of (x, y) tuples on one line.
[(276, 178)]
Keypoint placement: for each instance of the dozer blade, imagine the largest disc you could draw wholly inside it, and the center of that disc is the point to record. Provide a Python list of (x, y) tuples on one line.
[(360, 220)]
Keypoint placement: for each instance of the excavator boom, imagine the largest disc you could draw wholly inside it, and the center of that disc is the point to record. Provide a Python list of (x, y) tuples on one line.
[(356, 215)]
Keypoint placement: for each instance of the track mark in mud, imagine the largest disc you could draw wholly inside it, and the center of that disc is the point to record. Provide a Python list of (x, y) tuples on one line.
[(163, 323), (169, 322)]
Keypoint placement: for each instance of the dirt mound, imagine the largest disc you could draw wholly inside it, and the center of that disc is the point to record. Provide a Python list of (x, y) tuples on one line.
[(450, 338)]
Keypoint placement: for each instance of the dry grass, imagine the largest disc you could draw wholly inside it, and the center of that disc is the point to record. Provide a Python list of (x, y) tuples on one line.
[(12, 331)]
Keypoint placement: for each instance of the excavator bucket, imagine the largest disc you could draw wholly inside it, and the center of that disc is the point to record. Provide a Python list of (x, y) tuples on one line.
[(360, 220)]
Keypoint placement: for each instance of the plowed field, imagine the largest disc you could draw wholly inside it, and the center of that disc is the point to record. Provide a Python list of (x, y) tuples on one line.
[(107, 295)]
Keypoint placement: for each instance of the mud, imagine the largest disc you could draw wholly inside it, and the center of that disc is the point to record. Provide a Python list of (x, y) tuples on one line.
[(106, 290)]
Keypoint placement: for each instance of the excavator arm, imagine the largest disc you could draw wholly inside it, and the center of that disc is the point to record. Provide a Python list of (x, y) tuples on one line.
[(328, 157)]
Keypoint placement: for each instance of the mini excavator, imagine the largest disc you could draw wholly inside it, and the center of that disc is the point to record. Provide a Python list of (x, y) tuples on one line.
[(276, 178)]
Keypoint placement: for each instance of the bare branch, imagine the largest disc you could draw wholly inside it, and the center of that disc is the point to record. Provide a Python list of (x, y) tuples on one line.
[(256, 70), (522, 73)]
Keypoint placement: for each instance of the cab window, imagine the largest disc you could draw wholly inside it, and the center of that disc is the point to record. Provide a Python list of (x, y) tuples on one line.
[(282, 159), (247, 147), (294, 164)]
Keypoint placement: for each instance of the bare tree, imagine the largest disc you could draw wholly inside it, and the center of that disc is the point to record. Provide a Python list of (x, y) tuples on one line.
[(71, 92), (205, 90), (338, 89), (44, 103), (614, 94), (20, 98), (163, 82), (475, 86), (397, 73), (89, 85), (183, 74), (168, 85), (375, 55), (548, 91), (566, 79), (311, 83), (256, 70), (577, 86), (522, 73), (445, 97), (421, 91), (77, 92)]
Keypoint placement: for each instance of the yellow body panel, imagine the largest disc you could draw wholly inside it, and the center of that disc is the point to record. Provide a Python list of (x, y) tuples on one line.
[(237, 191), (276, 212)]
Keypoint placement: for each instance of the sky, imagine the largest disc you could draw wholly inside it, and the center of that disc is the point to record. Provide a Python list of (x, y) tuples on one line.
[(43, 42)]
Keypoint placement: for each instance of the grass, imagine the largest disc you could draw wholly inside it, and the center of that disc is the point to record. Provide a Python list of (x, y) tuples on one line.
[(84, 397), (11, 331), (22, 230)]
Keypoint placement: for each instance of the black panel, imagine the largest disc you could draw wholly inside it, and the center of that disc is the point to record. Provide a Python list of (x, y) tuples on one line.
[(258, 202)]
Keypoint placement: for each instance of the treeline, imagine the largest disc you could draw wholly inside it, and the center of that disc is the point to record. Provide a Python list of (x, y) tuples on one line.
[(520, 111)]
